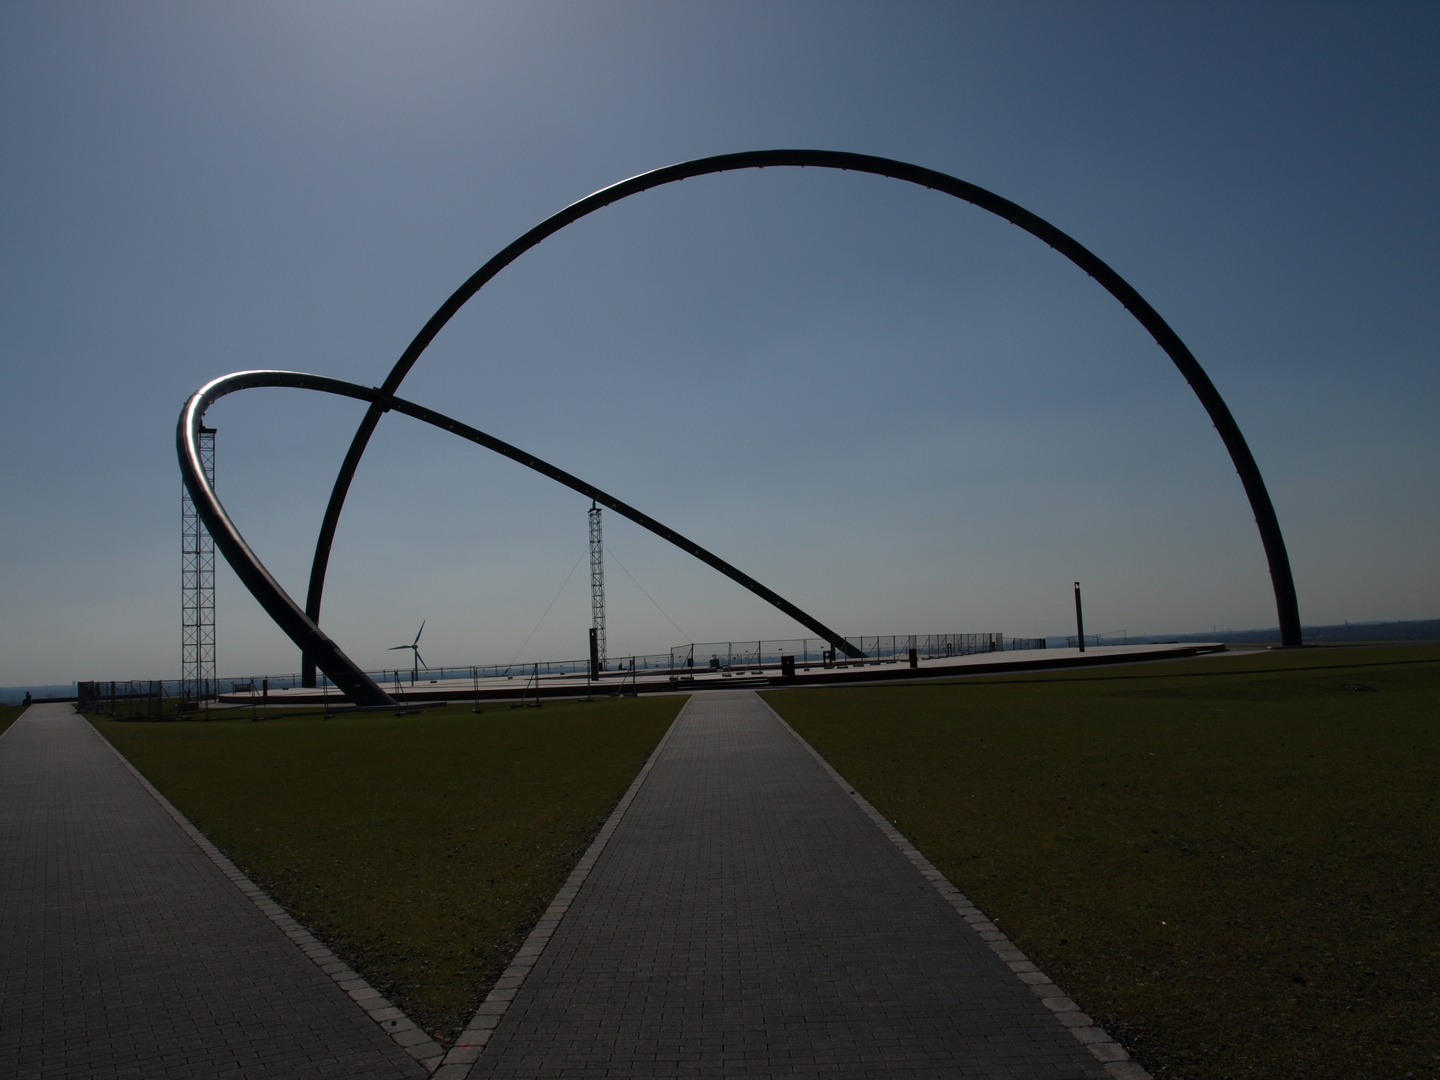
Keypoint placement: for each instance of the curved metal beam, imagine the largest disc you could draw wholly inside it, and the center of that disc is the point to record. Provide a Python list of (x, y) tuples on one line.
[(344, 672), (685, 544), (1281, 579), (297, 624)]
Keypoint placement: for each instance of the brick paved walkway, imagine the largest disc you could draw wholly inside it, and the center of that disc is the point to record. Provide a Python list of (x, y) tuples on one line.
[(748, 919), (125, 952)]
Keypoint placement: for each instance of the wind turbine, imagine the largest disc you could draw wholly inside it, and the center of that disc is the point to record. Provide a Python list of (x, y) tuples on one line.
[(414, 647)]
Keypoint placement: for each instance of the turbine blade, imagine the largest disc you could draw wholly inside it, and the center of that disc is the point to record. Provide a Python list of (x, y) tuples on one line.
[(422, 660), (419, 632)]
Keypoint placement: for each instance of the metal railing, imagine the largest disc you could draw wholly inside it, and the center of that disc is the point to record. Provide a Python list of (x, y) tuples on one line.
[(146, 697), (129, 699), (1116, 637)]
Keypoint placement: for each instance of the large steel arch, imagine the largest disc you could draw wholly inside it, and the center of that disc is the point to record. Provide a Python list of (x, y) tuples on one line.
[(1281, 579), (303, 630)]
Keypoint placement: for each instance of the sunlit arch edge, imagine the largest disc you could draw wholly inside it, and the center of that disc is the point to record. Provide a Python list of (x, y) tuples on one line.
[(1281, 579), (298, 625)]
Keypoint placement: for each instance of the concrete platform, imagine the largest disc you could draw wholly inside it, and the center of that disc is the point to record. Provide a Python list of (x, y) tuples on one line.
[(817, 674)]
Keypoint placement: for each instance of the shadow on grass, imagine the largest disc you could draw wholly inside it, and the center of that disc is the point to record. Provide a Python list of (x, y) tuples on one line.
[(422, 849), (1232, 862)]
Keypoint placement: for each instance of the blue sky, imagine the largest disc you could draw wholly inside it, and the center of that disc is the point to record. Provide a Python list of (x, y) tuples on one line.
[(901, 414)]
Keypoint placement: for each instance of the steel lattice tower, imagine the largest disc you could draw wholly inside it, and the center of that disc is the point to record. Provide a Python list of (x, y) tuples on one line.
[(197, 588), (597, 581)]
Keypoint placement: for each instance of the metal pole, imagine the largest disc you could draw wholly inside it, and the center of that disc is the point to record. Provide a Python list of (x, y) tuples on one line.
[(1079, 619)]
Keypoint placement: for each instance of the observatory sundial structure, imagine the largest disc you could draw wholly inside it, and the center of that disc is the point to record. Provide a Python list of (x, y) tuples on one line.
[(302, 624)]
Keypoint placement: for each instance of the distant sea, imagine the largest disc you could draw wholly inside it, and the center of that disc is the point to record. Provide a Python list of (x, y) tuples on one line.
[(14, 695)]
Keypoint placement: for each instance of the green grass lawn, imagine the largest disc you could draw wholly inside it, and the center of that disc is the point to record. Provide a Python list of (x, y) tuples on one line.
[(1233, 863), (422, 849), (8, 713)]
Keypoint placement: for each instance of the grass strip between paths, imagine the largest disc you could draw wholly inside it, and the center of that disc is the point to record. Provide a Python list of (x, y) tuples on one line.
[(1233, 863), (422, 848)]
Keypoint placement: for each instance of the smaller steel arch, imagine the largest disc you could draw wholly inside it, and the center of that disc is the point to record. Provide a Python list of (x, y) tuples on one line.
[(291, 618)]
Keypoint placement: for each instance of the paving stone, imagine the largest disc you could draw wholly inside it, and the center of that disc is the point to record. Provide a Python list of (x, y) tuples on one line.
[(126, 952)]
